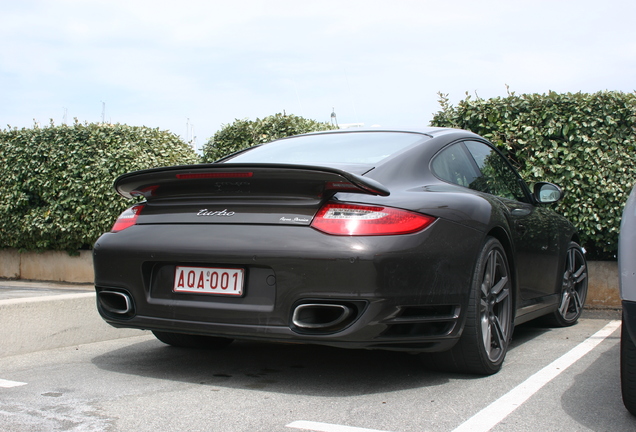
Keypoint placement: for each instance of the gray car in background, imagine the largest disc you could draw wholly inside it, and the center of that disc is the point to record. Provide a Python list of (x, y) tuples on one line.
[(627, 271)]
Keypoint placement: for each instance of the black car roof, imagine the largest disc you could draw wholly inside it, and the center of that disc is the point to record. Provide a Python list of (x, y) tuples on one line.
[(428, 130)]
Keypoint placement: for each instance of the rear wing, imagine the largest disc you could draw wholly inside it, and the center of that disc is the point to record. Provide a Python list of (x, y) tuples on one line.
[(244, 180)]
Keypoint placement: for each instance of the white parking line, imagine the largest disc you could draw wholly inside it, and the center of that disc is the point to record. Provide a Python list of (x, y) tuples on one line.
[(9, 384), (326, 427), (494, 413)]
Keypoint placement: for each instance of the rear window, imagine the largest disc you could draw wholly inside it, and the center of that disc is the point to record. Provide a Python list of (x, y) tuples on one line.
[(332, 148)]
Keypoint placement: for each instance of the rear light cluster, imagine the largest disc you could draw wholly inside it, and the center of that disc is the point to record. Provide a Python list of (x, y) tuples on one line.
[(337, 219), (128, 218), (361, 220)]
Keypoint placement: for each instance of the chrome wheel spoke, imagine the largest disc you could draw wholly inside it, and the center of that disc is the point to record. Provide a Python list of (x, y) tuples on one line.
[(565, 304), (571, 260), (580, 275), (483, 309), (576, 302), (566, 277), (489, 275), (503, 295), (500, 335), (486, 334), (484, 291), (492, 263), (497, 289)]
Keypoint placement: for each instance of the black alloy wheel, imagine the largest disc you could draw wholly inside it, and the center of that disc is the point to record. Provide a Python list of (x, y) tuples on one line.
[(488, 329), (495, 306), (573, 289)]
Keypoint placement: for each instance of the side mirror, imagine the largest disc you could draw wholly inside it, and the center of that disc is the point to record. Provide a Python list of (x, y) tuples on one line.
[(547, 193)]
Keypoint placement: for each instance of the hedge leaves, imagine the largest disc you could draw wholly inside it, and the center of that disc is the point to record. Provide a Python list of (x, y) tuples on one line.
[(57, 182)]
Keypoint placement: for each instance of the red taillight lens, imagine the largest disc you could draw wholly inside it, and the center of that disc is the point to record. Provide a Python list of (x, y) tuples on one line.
[(128, 218), (361, 220)]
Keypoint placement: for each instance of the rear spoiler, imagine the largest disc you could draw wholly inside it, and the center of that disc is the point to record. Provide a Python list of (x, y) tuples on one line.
[(244, 180)]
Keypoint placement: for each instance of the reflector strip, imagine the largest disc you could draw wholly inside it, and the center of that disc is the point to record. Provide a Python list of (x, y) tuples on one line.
[(214, 175), (355, 214), (342, 186)]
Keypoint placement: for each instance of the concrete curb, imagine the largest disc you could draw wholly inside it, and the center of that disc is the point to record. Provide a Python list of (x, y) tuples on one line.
[(53, 320), (603, 291), (47, 266)]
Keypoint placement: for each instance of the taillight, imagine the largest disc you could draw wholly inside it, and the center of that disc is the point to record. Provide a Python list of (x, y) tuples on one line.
[(361, 220), (128, 218)]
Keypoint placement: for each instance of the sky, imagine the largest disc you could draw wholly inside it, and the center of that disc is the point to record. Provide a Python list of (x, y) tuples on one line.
[(191, 67)]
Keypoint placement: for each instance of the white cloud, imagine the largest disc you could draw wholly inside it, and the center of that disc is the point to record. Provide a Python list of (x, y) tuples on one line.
[(159, 63)]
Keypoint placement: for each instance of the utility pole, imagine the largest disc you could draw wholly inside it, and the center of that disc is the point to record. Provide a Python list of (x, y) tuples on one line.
[(334, 120), (190, 138)]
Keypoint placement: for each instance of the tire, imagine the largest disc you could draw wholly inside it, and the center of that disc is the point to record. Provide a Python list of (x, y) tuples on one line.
[(628, 369), (183, 340), (488, 328), (573, 289)]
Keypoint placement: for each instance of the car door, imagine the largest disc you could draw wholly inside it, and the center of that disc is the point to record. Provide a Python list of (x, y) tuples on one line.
[(533, 228)]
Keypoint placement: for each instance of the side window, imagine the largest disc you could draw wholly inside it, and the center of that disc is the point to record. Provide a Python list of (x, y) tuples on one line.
[(478, 166), (497, 177), (455, 165)]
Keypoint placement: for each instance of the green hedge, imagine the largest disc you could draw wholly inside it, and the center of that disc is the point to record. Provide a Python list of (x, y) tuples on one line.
[(583, 142), (246, 133), (57, 181)]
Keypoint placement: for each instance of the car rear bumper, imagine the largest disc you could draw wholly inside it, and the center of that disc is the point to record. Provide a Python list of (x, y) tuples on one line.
[(401, 292)]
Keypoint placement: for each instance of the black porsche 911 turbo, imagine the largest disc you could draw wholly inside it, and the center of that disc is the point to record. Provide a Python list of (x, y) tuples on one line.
[(425, 241)]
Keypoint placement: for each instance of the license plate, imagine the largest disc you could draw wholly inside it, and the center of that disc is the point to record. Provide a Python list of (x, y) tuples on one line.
[(209, 280)]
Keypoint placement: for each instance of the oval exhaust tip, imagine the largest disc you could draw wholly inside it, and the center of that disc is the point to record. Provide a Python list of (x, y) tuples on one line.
[(319, 315), (115, 302)]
